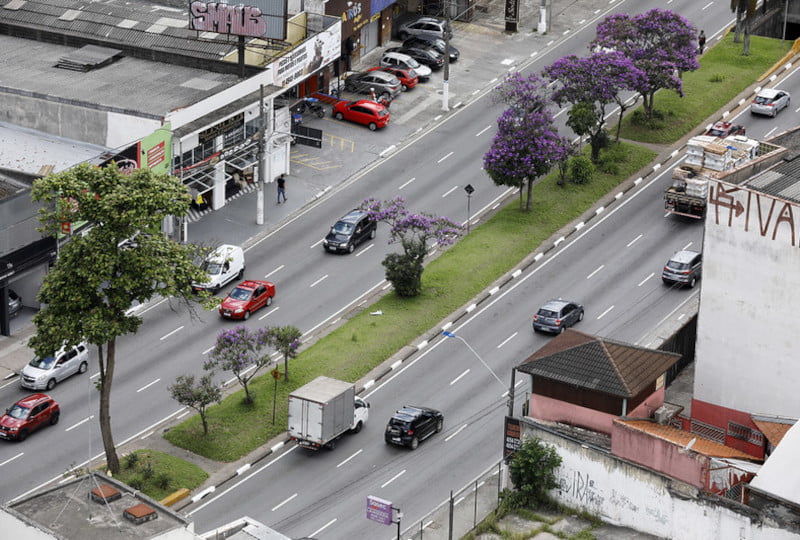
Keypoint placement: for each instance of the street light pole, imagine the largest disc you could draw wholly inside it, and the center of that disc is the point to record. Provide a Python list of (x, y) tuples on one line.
[(446, 82), (452, 335)]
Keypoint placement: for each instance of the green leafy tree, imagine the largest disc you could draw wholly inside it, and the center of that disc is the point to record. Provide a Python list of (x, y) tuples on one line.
[(241, 352), (532, 470), (286, 340), (196, 396), (87, 295)]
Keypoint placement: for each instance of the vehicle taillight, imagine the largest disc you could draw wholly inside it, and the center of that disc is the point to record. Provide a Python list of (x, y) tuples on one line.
[(410, 432), (536, 317), (558, 322)]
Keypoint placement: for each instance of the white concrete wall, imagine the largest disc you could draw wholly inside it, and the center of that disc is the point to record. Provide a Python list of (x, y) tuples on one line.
[(123, 129), (628, 495), (750, 291)]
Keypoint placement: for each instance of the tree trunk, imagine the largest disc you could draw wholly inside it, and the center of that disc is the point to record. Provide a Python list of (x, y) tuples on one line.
[(619, 122), (106, 378), (737, 33), (286, 366), (746, 51), (528, 201)]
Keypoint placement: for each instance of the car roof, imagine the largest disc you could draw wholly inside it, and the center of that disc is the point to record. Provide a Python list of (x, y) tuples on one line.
[(769, 92), (409, 412), (252, 283), (353, 215), (388, 77), (369, 104), (684, 255), (556, 305), (32, 400), (394, 54)]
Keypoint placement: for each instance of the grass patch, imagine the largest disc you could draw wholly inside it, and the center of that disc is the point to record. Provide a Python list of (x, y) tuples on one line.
[(158, 474), (723, 73), (450, 281)]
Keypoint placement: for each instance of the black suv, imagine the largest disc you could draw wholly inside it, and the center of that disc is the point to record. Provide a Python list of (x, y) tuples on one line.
[(349, 231), (410, 425)]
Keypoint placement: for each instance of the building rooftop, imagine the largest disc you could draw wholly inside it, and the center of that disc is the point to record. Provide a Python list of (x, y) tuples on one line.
[(69, 512)]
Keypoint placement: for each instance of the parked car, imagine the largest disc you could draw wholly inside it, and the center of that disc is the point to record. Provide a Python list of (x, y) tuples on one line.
[(556, 316), (364, 82), (726, 129), (14, 303), (403, 61), (407, 77), (411, 424), (246, 298), (45, 373), (427, 57), (364, 112), (430, 41), (349, 231), (422, 24), (770, 101), (27, 415), (684, 267)]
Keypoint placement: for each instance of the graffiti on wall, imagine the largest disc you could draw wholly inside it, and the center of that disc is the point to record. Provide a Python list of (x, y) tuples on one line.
[(227, 19), (580, 487), (753, 211)]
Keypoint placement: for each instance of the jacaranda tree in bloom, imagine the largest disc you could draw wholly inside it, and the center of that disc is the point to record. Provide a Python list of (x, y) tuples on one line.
[(660, 43), (241, 352), (524, 94), (413, 231), (525, 147), (597, 81)]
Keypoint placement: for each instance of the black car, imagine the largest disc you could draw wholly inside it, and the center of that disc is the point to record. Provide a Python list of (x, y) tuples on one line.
[(556, 316), (351, 230), (426, 57), (411, 424), (427, 41)]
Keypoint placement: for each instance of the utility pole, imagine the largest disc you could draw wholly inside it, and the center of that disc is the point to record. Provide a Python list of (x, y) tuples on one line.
[(446, 83), (262, 147)]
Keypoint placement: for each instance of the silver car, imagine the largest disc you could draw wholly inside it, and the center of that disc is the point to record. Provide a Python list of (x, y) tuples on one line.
[(684, 268), (366, 81), (423, 24), (403, 61), (556, 316), (770, 101), (45, 373)]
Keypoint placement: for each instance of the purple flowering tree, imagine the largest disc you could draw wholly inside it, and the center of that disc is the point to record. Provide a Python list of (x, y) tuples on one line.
[(660, 43), (525, 94), (196, 396), (597, 81), (525, 147), (413, 232), (286, 340), (241, 352)]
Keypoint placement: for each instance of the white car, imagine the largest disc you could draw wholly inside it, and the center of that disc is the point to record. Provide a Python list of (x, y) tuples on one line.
[(45, 373), (222, 266), (403, 61), (770, 101)]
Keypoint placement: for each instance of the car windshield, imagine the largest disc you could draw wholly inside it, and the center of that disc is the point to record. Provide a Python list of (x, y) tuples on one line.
[(43, 363), (716, 133), (240, 294), (18, 412), (342, 227), (212, 268), (413, 63), (675, 265)]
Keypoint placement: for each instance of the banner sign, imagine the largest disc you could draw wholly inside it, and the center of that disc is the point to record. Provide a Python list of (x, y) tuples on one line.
[(512, 439), (379, 510), (308, 57)]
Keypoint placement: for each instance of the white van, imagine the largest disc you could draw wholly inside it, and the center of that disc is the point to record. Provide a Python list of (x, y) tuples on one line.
[(223, 265)]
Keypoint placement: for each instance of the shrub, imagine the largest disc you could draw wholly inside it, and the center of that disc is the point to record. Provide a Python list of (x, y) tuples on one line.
[(131, 460), (532, 472), (581, 169), (163, 480), (136, 482)]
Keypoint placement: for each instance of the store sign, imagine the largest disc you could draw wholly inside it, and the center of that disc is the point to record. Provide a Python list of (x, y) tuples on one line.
[(308, 57), (512, 11), (512, 441), (379, 510), (223, 127), (238, 20), (127, 160)]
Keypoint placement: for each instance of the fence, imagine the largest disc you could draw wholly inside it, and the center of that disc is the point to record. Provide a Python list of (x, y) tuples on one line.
[(464, 509)]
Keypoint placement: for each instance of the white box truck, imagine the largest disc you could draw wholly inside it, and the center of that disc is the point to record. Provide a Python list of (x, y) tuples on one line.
[(323, 410)]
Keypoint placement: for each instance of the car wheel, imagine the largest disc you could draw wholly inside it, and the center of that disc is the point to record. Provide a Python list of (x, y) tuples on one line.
[(83, 367), (331, 445), (692, 282), (51, 384), (403, 36), (269, 301), (216, 289), (339, 116), (54, 418), (439, 425), (320, 113), (414, 443), (562, 329), (580, 316), (246, 315), (357, 429), (373, 126), (404, 88), (372, 234), (351, 248), (240, 275), (22, 435)]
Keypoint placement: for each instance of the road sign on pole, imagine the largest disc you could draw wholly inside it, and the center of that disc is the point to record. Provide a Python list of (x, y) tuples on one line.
[(379, 510)]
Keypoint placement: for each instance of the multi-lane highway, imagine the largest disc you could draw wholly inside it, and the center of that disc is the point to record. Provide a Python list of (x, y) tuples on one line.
[(612, 266)]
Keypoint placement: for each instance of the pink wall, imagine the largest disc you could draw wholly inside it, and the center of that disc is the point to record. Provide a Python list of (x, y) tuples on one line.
[(659, 455), (649, 405), (553, 410)]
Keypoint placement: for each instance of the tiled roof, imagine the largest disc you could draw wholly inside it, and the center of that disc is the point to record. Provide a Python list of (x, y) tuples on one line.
[(679, 437), (598, 363), (773, 429)]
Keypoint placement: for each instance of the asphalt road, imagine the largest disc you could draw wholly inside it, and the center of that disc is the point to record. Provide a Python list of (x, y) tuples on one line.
[(608, 267)]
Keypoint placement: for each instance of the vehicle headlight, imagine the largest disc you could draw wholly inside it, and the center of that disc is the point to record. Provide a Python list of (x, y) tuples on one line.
[(239, 310), (13, 429), (324, 242)]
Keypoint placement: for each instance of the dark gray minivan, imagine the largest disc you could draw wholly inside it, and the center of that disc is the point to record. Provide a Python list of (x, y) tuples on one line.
[(351, 230)]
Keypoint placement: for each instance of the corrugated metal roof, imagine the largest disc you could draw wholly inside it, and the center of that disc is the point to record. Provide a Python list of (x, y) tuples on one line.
[(600, 364), (782, 180)]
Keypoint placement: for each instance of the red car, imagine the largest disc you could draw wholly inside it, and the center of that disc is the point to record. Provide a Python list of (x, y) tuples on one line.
[(27, 415), (408, 77), (364, 112), (725, 129), (247, 297)]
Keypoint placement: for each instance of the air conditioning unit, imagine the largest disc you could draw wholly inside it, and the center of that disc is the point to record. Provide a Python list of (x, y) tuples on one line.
[(663, 415)]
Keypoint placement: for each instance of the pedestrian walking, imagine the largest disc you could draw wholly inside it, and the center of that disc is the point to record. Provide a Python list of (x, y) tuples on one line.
[(281, 188), (701, 40)]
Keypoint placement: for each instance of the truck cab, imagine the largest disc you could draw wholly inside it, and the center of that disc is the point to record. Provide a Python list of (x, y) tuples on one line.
[(360, 414)]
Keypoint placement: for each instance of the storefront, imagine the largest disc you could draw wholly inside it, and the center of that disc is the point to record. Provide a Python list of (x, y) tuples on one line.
[(366, 25)]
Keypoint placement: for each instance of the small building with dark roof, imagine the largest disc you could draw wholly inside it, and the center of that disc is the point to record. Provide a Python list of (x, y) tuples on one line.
[(588, 381)]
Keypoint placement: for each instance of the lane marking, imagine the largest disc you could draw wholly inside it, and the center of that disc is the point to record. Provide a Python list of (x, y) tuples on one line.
[(168, 335), (645, 279), (328, 524), (277, 269), (484, 130), (145, 387), (456, 432), (404, 185), (9, 460), (73, 426), (393, 478), (449, 191), (634, 240), (267, 314), (348, 459), (454, 381), (445, 157), (284, 502), (593, 273), (319, 280), (605, 313), (509, 338)]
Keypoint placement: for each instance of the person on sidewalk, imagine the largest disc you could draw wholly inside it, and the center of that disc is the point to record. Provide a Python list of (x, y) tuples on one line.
[(281, 188), (701, 40)]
